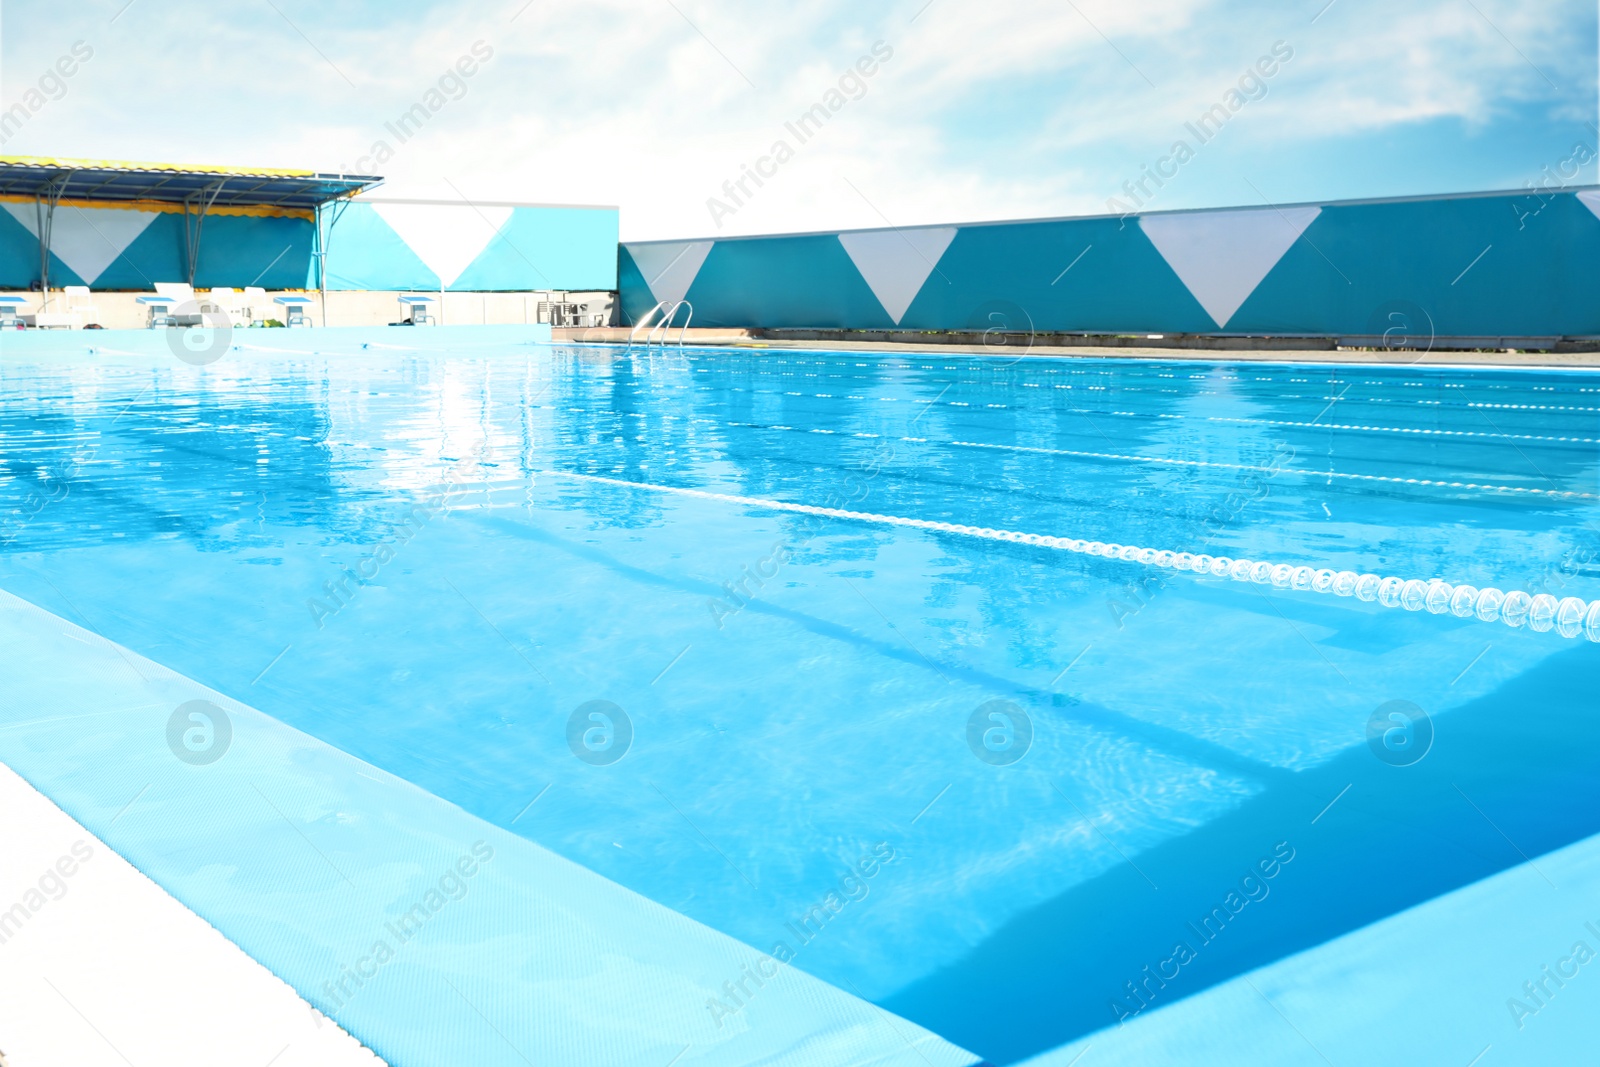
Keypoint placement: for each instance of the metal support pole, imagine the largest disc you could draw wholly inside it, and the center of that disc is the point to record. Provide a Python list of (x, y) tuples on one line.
[(191, 233), (322, 268), (44, 206), (323, 243), (43, 229)]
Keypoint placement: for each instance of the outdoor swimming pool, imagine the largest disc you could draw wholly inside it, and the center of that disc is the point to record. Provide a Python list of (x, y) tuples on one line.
[(606, 602)]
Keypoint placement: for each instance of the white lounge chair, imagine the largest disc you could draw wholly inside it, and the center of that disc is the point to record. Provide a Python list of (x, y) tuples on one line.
[(223, 303), (176, 294), (65, 310), (78, 299), (254, 297)]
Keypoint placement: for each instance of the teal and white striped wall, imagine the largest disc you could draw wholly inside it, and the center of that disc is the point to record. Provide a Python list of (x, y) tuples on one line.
[(378, 244), (133, 248), (428, 245), (1481, 265)]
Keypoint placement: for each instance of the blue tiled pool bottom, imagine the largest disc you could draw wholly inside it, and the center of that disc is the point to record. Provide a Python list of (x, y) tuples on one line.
[(388, 551)]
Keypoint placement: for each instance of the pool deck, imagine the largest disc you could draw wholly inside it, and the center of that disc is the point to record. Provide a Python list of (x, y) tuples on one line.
[(340, 340), (1018, 347), (101, 966), (1358, 357)]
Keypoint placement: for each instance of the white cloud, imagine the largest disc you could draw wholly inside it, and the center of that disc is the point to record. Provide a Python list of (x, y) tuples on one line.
[(1004, 108)]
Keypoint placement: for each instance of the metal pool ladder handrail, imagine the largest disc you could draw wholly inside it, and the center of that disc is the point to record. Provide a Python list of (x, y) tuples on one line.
[(687, 320), (644, 321), (665, 324)]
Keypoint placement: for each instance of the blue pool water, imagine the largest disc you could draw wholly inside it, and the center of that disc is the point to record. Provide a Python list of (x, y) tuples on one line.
[(435, 561)]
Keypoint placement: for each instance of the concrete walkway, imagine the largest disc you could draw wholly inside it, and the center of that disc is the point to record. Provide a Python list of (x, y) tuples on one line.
[(1017, 347), (100, 967)]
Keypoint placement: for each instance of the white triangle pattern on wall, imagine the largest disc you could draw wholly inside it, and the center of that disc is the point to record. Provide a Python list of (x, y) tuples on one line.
[(1223, 256), (1591, 200), (670, 267), (446, 237), (87, 240), (896, 263)]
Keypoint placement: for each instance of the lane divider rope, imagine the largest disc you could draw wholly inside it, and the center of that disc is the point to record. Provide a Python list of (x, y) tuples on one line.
[(1570, 617), (1362, 427), (1432, 432), (1566, 494)]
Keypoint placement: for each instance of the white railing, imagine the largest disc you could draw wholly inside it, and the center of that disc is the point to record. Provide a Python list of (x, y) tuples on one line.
[(663, 325), (644, 320)]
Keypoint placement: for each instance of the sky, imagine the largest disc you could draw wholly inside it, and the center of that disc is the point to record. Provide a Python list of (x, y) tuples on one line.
[(935, 110)]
